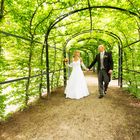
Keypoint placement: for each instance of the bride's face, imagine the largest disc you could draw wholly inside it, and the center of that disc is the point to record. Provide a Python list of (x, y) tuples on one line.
[(77, 54)]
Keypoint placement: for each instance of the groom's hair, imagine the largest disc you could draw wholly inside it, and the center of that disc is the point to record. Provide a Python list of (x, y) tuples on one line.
[(101, 46)]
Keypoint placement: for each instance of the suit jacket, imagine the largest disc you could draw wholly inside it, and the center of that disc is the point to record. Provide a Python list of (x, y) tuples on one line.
[(107, 61)]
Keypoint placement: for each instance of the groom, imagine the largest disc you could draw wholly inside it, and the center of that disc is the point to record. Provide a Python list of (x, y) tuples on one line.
[(105, 68)]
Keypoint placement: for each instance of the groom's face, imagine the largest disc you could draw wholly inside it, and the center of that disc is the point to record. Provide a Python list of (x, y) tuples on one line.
[(101, 48)]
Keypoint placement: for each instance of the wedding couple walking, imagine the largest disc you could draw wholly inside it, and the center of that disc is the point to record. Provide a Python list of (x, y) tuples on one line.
[(76, 87)]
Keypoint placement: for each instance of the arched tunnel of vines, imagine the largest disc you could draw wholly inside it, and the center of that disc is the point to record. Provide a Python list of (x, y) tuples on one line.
[(35, 38)]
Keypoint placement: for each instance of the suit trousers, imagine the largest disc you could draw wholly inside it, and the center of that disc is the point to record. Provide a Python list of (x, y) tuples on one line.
[(103, 81)]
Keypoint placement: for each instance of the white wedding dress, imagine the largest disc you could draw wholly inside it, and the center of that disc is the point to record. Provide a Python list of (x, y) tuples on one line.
[(76, 86)]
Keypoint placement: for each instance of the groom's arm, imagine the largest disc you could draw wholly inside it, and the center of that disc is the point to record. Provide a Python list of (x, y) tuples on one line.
[(93, 63), (111, 63)]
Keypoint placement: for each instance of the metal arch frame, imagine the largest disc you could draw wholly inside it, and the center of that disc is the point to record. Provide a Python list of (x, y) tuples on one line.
[(63, 17), (70, 13), (120, 46), (90, 49), (87, 49), (83, 32), (89, 39), (95, 38)]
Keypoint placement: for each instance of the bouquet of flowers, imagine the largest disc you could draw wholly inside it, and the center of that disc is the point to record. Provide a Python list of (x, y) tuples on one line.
[(66, 60)]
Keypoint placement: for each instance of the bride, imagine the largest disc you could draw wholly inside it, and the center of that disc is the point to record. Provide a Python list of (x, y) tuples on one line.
[(76, 86)]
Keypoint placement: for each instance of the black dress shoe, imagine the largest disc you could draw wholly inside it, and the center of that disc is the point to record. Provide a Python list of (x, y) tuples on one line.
[(101, 96)]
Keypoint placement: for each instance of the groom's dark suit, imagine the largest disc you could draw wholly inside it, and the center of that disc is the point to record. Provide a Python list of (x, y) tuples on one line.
[(103, 75)]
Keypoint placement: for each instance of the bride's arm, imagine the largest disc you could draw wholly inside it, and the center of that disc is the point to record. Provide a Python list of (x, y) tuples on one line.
[(83, 65), (67, 63), (70, 65)]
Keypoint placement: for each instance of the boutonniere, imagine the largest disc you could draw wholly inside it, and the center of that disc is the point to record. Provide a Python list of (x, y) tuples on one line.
[(105, 56)]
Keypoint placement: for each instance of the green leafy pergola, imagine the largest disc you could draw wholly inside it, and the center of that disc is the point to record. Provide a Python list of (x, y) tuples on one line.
[(35, 37)]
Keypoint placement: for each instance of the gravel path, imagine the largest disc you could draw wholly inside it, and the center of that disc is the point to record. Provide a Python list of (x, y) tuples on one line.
[(115, 117)]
